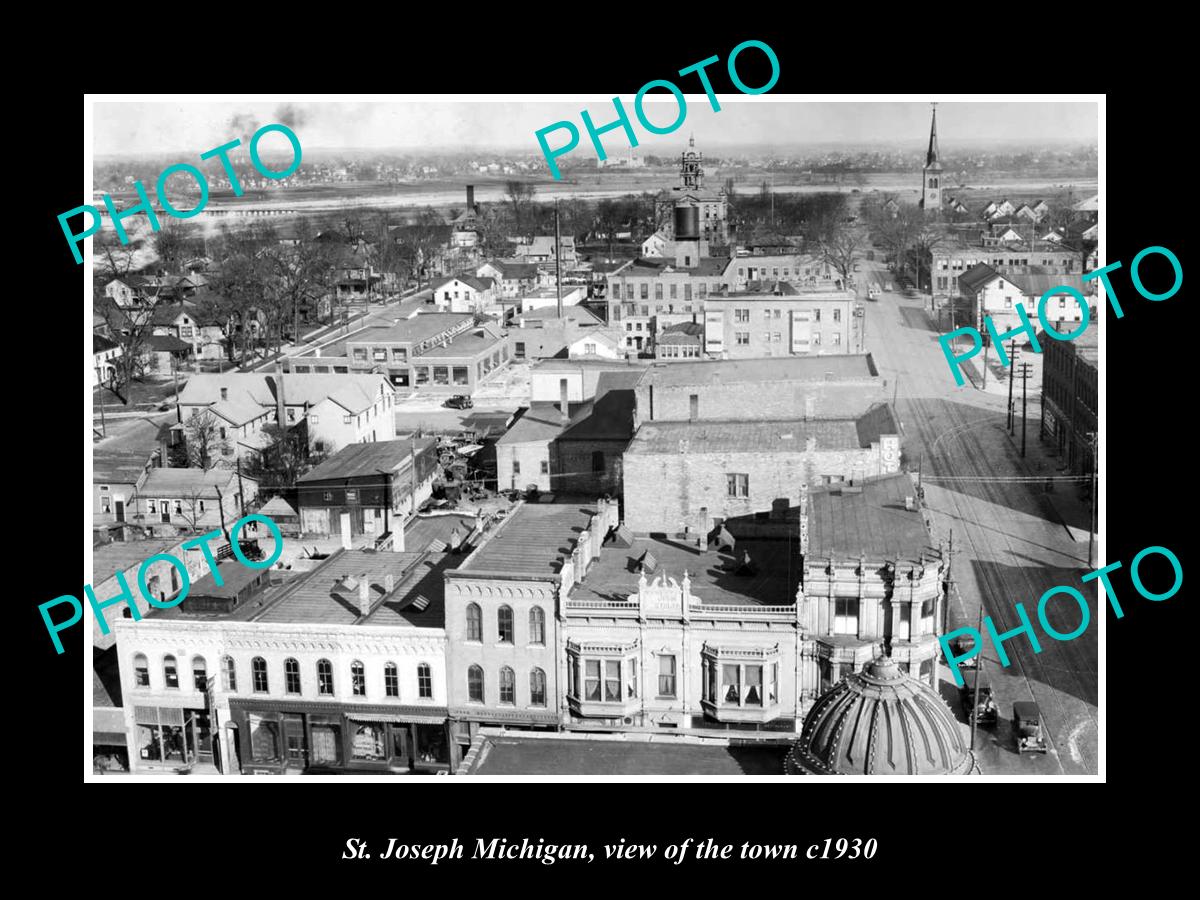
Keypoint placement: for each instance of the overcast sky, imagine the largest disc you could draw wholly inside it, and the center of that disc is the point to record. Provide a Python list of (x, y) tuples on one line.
[(192, 127)]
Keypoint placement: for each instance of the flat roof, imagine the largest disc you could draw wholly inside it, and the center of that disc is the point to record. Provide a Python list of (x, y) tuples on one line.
[(234, 577), (734, 371), (534, 541), (712, 573), (871, 522), (665, 754), (412, 330), (783, 436)]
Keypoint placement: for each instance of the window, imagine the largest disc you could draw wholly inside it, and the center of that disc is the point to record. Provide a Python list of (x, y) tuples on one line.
[(846, 616), (741, 315), (424, 681), (258, 669), (645, 290), (474, 622), (666, 676), (460, 375), (591, 679), (837, 315), (837, 338), (612, 680), (327, 495), (545, 467), (508, 686), (379, 354), (742, 337), (597, 460), (658, 290), (519, 351), (358, 679), (170, 673), (776, 337), (441, 375), (738, 484), (346, 420), (674, 291), (516, 467), (391, 680), (631, 684), (199, 673), (537, 625), (351, 496), (325, 677), (399, 354), (902, 624), (504, 622), (537, 688), (816, 338), (816, 315), (291, 676), (141, 671), (475, 684), (229, 673), (731, 684)]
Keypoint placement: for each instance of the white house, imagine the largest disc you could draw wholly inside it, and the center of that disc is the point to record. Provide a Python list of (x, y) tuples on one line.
[(104, 351), (656, 245), (596, 343), (463, 294)]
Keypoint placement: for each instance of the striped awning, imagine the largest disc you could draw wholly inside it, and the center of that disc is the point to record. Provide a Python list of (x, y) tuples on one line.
[(397, 719)]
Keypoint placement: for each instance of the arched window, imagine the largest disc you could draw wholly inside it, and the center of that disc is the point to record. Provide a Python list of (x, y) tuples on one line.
[(537, 688), (141, 670), (170, 672), (391, 680), (258, 672), (537, 625), (474, 622), (229, 670), (291, 676), (325, 677), (508, 685), (504, 619), (475, 684), (424, 681), (199, 673), (358, 679)]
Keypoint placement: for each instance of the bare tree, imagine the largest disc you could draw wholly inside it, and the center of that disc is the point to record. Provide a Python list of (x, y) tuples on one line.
[(205, 442), (175, 243), (841, 248), (132, 329), (291, 453), (520, 194)]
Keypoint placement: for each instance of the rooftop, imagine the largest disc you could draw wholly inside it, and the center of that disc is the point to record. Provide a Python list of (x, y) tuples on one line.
[(187, 483), (234, 577), (542, 421), (250, 394), (661, 754), (420, 327), (706, 267), (120, 556), (119, 466), (467, 343), (735, 371), (614, 574), (533, 541), (771, 290), (871, 522), (362, 460)]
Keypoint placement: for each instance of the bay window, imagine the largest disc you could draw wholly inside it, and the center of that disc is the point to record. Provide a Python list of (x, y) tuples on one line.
[(740, 683)]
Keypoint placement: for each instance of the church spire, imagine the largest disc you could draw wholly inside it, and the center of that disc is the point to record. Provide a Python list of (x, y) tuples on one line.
[(932, 156)]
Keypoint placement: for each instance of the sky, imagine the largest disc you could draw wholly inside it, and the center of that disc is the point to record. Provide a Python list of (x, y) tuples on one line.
[(191, 127)]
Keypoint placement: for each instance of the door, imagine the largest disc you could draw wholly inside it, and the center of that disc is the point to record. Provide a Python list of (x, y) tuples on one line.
[(119, 509), (164, 511), (295, 745)]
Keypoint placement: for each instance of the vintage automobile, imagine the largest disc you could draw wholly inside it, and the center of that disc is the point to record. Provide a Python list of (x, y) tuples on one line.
[(459, 401), (962, 645), (1027, 727), (986, 711)]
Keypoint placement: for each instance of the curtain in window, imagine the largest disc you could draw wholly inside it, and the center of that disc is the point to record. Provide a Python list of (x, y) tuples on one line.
[(731, 687), (612, 680), (754, 685), (592, 679)]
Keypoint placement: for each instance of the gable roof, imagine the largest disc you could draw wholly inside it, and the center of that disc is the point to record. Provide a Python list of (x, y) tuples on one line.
[(364, 460), (251, 394), (977, 276), (186, 483)]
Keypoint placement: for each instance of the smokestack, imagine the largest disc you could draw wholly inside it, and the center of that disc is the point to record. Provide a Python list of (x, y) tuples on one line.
[(471, 197), (346, 542), (364, 595), (564, 408), (398, 538), (280, 406)]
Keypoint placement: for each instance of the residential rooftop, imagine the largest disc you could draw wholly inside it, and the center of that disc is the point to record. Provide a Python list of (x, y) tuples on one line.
[(533, 541), (367, 459), (734, 371), (120, 466), (868, 519), (186, 484), (713, 573)]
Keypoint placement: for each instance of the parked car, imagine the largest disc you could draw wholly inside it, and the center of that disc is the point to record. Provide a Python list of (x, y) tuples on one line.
[(459, 401), (1027, 727), (986, 711)]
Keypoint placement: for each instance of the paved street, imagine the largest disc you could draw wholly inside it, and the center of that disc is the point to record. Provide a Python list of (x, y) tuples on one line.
[(1010, 543)]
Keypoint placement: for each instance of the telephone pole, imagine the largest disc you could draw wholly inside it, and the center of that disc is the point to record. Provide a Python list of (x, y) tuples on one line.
[(1012, 364), (978, 678), (1092, 524), (558, 259), (986, 344), (1025, 367)]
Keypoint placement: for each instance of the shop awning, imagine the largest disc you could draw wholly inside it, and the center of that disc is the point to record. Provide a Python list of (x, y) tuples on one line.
[(395, 719)]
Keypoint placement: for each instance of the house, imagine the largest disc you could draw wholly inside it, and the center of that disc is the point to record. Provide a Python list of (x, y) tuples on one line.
[(683, 340), (656, 246), (581, 377), (1000, 210), (116, 477), (337, 409), (104, 351), (1083, 230), (541, 249), (463, 294), (512, 277), (165, 353), (1040, 209), (192, 500), (380, 485), (1026, 212), (997, 296), (547, 297), (957, 206), (597, 342)]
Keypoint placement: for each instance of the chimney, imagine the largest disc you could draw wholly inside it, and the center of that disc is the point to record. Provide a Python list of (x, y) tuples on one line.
[(317, 351), (564, 408), (364, 595), (346, 542), (471, 197), (398, 538), (389, 582), (280, 406), (908, 503)]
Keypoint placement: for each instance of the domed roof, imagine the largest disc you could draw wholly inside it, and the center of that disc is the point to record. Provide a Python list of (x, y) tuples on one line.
[(880, 722)]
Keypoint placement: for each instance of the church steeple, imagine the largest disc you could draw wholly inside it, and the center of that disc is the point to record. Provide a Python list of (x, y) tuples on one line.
[(931, 174), (931, 158)]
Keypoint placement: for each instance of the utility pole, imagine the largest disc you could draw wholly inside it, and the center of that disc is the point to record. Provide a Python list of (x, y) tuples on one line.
[(1093, 524), (978, 678), (175, 379), (986, 344), (241, 489), (1025, 367), (100, 381), (558, 259), (920, 463), (1012, 362)]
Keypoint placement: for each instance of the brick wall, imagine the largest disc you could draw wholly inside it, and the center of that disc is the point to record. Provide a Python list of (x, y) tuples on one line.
[(575, 470)]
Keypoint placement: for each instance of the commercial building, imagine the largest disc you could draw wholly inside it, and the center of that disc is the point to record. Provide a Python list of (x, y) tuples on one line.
[(774, 319), (688, 477), (1070, 400), (991, 294), (339, 669)]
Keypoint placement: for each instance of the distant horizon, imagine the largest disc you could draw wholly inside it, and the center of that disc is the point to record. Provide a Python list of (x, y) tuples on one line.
[(122, 129)]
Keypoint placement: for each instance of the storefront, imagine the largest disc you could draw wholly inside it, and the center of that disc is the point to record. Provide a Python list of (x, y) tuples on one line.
[(330, 738), (171, 737)]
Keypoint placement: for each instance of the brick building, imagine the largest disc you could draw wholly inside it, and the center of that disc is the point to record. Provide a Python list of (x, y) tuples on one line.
[(687, 477), (773, 318), (1070, 399)]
